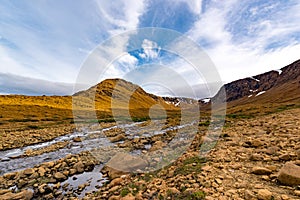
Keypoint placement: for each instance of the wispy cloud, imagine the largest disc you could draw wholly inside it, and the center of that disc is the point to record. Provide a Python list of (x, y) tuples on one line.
[(249, 38)]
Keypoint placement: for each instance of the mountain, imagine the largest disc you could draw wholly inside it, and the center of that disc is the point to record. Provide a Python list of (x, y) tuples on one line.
[(121, 95), (120, 91), (112, 95), (273, 88)]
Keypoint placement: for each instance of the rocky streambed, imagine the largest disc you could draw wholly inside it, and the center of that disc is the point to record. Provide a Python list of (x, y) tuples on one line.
[(67, 167)]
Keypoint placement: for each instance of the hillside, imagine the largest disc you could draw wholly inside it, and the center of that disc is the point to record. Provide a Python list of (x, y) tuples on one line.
[(118, 94), (267, 92)]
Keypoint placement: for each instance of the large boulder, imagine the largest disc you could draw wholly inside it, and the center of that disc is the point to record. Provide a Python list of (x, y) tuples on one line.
[(122, 163), (289, 174)]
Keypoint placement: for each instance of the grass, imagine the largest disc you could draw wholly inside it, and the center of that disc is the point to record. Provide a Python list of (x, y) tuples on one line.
[(205, 123), (240, 116), (199, 195), (124, 192), (190, 165)]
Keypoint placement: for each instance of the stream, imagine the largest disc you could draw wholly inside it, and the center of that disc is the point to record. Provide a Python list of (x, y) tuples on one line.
[(12, 160)]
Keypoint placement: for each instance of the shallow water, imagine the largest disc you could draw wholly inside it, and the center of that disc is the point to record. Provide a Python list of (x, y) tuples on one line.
[(9, 160)]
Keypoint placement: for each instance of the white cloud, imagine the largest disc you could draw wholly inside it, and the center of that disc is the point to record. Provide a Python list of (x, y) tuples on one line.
[(128, 60), (194, 5), (122, 13), (150, 49), (242, 56)]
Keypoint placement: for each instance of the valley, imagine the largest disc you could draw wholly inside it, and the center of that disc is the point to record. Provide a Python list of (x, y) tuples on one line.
[(116, 141)]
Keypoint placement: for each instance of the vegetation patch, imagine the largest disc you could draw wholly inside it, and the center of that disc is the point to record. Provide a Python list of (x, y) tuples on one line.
[(124, 192), (190, 165)]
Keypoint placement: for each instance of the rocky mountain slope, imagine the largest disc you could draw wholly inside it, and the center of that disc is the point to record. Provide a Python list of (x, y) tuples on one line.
[(280, 85)]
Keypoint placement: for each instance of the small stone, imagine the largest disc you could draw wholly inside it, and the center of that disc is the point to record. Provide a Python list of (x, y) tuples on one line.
[(28, 171), (256, 143), (256, 157), (10, 176), (41, 171), (206, 168), (116, 181), (261, 171), (174, 190), (285, 157), (219, 181), (77, 139), (249, 195), (79, 167), (72, 171), (264, 194), (60, 176), (284, 197)]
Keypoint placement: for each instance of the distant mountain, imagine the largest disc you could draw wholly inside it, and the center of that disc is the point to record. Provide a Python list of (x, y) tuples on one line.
[(121, 95), (177, 101), (275, 86)]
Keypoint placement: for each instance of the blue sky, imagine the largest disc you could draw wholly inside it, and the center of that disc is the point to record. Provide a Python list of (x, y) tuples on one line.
[(48, 41)]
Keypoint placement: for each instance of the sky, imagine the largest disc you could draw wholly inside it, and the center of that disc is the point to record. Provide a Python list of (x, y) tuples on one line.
[(45, 44)]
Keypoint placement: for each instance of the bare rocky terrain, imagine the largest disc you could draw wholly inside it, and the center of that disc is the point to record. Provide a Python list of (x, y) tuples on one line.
[(257, 158)]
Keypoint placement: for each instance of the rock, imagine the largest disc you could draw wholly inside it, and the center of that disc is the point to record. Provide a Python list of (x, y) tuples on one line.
[(264, 194), (297, 193), (41, 171), (24, 195), (256, 157), (173, 190), (4, 191), (261, 171), (298, 154), (114, 197), (289, 174), (77, 139), (44, 188), (128, 197), (72, 171), (113, 173), (81, 187), (272, 150), (284, 197), (127, 163), (49, 164), (21, 183), (117, 138), (79, 167), (285, 157), (249, 195), (60, 176), (10, 176), (256, 143), (116, 181), (157, 145), (206, 168)]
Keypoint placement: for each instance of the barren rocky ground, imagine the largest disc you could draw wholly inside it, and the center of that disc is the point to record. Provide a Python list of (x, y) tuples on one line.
[(256, 158)]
